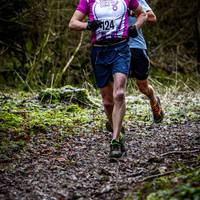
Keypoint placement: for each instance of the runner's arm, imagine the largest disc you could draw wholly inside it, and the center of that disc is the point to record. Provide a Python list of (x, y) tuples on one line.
[(76, 23), (151, 17), (141, 16)]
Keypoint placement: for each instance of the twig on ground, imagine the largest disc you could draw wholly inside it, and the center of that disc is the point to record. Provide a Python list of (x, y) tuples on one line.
[(159, 175), (180, 152), (164, 174)]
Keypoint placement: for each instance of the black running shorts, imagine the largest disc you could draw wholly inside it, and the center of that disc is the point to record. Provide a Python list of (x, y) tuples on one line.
[(140, 64)]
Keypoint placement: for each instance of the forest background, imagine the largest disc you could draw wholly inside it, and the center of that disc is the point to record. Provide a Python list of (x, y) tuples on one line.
[(46, 128), (37, 50)]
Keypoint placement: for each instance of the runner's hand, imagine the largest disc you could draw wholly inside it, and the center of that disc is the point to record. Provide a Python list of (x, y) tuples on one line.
[(93, 25), (131, 13), (132, 31)]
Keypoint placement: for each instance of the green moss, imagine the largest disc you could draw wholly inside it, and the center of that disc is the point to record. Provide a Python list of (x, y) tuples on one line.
[(66, 94), (42, 121), (162, 182), (183, 185), (73, 108), (160, 195), (49, 95), (10, 121), (23, 116)]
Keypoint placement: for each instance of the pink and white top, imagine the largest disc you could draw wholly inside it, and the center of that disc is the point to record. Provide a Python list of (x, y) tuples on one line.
[(112, 13)]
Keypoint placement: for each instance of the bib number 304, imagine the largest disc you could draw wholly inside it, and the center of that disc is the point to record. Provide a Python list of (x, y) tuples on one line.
[(108, 25)]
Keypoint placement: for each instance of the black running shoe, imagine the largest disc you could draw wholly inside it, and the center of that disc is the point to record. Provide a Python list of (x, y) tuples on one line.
[(115, 149), (122, 142)]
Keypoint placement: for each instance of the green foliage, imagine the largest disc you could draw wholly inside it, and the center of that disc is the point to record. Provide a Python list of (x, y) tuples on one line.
[(21, 118), (40, 44), (12, 132), (36, 45), (67, 94), (173, 41), (10, 120), (183, 185)]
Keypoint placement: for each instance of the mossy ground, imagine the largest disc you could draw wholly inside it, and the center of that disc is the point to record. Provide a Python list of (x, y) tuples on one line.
[(25, 115), (179, 186), (26, 119)]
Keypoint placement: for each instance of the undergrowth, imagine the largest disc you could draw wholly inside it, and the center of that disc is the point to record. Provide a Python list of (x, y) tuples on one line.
[(178, 186), (24, 115)]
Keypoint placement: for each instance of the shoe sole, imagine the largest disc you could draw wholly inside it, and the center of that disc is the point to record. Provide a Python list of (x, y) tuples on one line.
[(116, 159)]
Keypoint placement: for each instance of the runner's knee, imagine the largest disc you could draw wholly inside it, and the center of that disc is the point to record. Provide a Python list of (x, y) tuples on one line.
[(119, 95)]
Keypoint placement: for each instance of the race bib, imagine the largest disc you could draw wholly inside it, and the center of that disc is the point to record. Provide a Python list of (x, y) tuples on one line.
[(108, 25)]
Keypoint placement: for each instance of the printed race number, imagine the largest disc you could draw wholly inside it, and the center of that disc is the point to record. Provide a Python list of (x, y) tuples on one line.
[(108, 25)]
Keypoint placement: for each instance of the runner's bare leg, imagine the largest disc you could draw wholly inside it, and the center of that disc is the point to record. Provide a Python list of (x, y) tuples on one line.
[(119, 87), (147, 89), (107, 98)]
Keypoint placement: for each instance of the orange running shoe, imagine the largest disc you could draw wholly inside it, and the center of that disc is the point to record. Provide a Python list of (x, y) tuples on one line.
[(158, 113)]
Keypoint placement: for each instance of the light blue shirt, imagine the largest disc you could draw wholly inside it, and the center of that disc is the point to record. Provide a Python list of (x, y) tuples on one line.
[(139, 41)]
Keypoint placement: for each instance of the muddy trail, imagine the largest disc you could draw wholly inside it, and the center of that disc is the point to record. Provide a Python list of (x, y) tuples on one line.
[(80, 168)]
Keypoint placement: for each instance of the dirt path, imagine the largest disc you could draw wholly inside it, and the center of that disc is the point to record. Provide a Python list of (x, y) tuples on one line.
[(79, 167)]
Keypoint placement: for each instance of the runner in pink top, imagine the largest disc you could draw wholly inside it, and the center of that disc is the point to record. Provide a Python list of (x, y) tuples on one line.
[(110, 56), (113, 15)]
